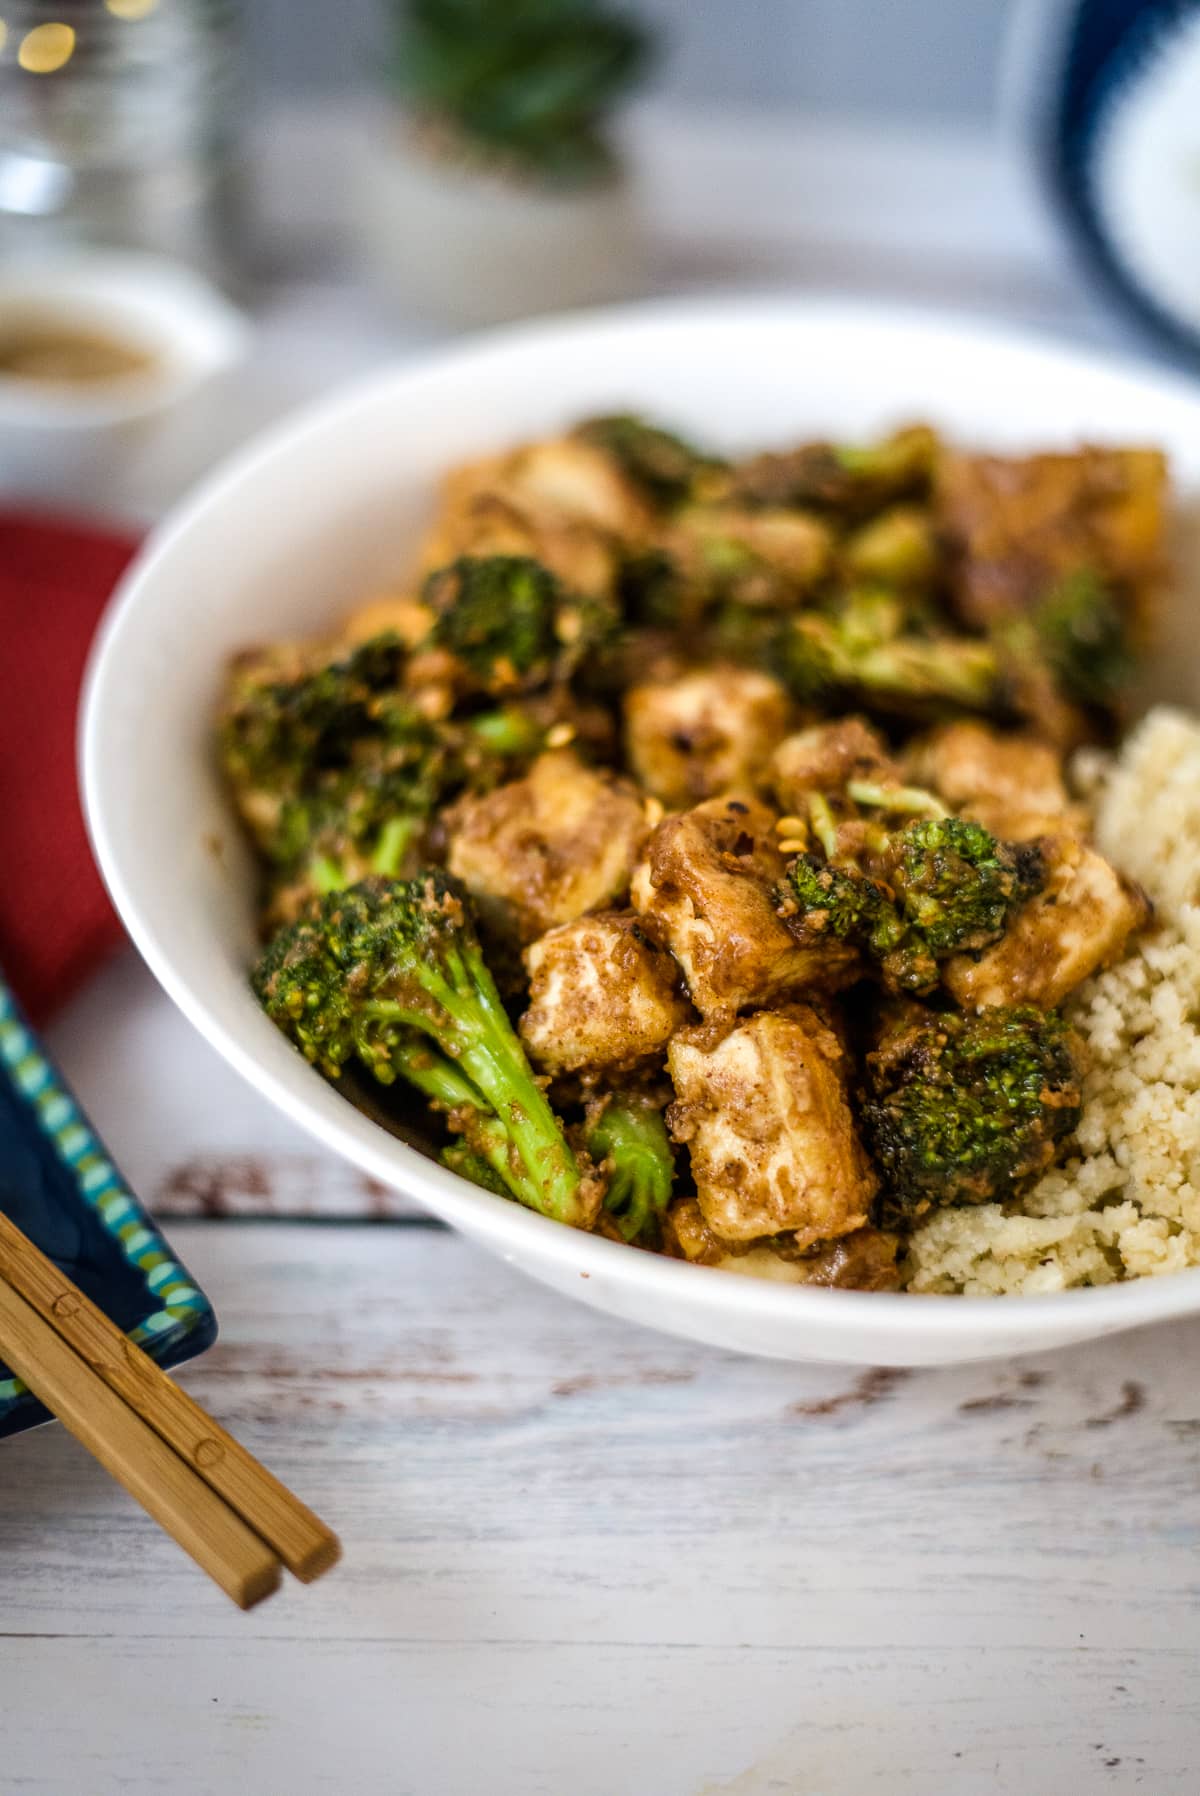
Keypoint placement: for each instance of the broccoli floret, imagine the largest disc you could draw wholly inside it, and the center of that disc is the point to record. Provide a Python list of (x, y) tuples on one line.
[(371, 817), (365, 820), (663, 465), (898, 548), (961, 1109), (827, 661), (911, 895), (957, 885), (850, 481), (628, 1138), (299, 981), (388, 970), (510, 624), (1081, 631), (495, 615), (846, 903), (279, 735)]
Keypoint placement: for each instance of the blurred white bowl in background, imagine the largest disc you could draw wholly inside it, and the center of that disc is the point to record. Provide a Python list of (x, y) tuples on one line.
[(60, 442), (328, 506)]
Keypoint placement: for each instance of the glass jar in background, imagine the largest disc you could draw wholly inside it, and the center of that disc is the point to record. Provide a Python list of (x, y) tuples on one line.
[(118, 127)]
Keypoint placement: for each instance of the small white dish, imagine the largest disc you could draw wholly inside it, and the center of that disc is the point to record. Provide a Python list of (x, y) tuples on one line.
[(60, 441), (324, 507)]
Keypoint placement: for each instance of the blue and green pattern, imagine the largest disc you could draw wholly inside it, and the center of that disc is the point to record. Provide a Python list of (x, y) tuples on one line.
[(59, 1185)]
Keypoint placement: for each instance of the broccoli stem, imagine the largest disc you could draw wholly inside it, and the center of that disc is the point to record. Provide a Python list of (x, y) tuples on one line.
[(823, 825), (326, 873), (505, 732), (468, 1164), (391, 972), (631, 1138), (395, 839), (483, 1152), (949, 670), (904, 800), (469, 1023)]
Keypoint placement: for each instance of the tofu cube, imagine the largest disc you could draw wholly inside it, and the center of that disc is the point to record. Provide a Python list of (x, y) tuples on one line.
[(544, 849), (864, 1260), (823, 758), (967, 763), (710, 731), (602, 996), (706, 890), (1080, 921), (1016, 524), (767, 1121)]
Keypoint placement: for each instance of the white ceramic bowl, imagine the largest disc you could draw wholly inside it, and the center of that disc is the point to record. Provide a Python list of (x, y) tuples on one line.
[(300, 525)]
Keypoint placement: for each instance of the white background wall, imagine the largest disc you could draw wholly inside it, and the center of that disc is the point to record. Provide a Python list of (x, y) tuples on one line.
[(895, 58)]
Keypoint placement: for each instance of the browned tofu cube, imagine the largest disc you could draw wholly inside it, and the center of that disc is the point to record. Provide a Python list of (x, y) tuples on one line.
[(767, 1121), (823, 758), (864, 1260), (558, 482), (544, 849), (601, 996), (710, 731), (1079, 922), (706, 889), (584, 558), (967, 763), (1017, 524)]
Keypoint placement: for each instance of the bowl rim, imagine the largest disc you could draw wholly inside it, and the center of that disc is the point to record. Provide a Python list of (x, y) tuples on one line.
[(1005, 1323)]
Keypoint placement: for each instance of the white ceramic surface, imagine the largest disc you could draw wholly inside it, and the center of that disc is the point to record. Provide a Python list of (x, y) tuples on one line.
[(61, 442), (305, 522)]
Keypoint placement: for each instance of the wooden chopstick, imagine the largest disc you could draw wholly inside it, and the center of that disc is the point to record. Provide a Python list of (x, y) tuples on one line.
[(177, 1498), (95, 1356)]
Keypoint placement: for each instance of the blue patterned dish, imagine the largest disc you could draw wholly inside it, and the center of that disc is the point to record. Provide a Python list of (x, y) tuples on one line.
[(59, 1186)]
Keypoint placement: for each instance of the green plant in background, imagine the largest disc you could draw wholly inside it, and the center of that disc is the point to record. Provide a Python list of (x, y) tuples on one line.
[(523, 83)]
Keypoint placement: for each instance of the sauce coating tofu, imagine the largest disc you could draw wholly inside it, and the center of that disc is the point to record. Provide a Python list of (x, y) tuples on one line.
[(706, 891), (822, 758), (544, 849), (766, 1119), (966, 763), (864, 1260), (561, 502), (601, 996), (584, 558), (1017, 524), (710, 731), (1080, 921), (553, 483)]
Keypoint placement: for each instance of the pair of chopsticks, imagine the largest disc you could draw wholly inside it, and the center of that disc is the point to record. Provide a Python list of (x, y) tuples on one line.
[(238, 1523)]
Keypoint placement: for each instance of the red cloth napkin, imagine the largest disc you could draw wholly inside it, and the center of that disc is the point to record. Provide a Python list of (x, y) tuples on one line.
[(56, 923)]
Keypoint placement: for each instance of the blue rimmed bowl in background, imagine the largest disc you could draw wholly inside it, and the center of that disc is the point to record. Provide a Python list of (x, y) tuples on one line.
[(1105, 98), (58, 1184)]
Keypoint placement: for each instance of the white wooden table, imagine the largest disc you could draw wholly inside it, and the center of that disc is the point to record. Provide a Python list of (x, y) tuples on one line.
[(582, 1558)]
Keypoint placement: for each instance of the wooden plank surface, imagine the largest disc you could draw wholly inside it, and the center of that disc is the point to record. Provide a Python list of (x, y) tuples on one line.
[(583, 1557)]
